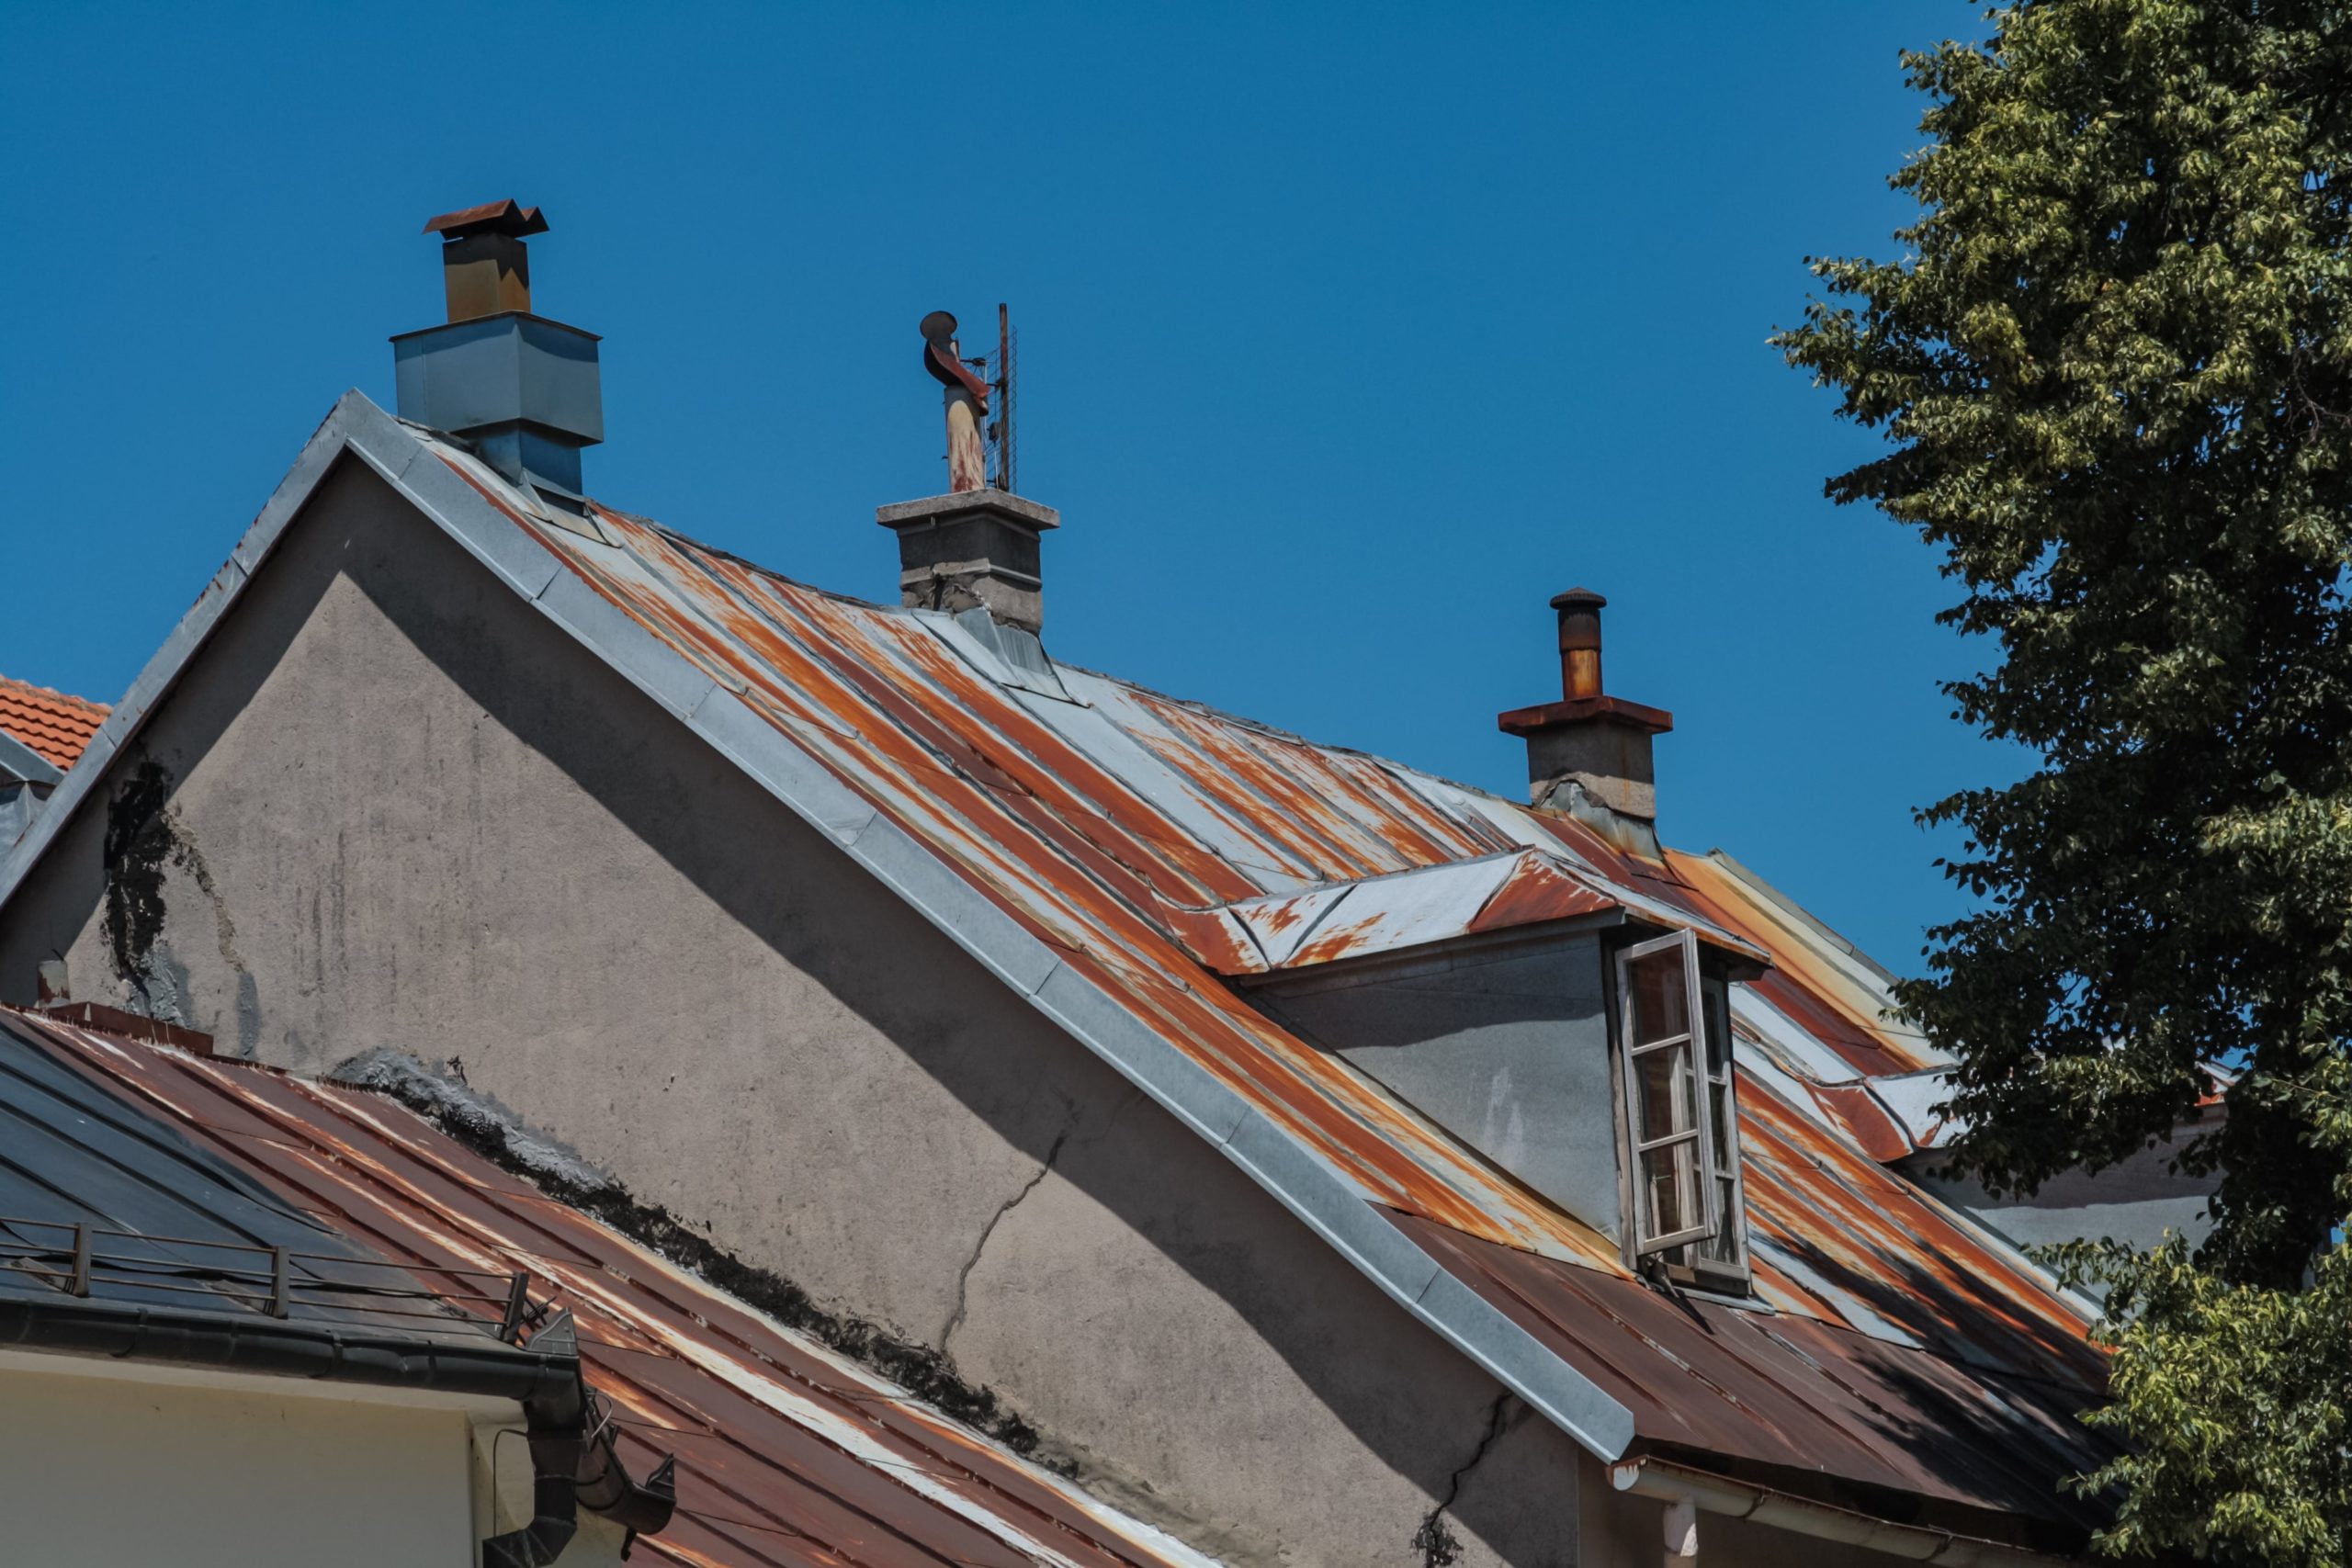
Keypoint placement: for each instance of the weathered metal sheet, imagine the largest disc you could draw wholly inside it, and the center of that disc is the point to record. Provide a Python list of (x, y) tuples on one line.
[(1157, 846), (787, 1454), (1792, 1396), (1415, 908)]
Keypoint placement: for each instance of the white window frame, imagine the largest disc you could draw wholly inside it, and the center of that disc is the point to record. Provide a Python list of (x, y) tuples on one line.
[(1736, 1265), (1703, 1120)]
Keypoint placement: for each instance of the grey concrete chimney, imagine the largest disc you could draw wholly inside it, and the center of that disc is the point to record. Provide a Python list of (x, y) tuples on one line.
[(524, 391), (972, 549), (1588, 753)]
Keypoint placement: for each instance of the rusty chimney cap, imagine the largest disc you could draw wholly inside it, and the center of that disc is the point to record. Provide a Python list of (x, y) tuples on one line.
[(508, 217), (1577, 598)]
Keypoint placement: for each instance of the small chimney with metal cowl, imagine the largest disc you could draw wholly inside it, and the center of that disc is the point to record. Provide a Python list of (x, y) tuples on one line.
[(978, 548), (522, 390), (1588, 754)]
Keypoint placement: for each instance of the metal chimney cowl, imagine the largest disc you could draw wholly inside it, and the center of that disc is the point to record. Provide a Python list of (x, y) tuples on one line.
[(524, 391)]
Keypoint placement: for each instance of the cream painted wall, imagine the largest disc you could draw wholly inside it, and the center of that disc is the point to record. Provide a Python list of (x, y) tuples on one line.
[(110, 1473)]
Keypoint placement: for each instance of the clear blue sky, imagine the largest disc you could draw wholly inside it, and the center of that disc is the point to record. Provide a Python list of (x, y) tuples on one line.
[(1350, 333)]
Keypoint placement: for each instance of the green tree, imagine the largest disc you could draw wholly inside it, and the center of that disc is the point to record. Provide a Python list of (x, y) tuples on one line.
[(2114, 371)]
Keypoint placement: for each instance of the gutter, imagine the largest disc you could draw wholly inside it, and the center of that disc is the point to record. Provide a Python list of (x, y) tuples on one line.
[(1687, 1493), (249, 1343)]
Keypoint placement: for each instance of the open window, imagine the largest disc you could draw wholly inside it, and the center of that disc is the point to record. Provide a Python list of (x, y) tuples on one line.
[(1681, 1111)]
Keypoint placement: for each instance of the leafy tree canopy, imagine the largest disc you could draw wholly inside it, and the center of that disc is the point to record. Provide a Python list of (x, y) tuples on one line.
[(2114, 370)]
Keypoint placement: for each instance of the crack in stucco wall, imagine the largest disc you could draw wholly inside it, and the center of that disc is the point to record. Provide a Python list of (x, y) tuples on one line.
[(495, 1132), (1435, 1540), (963, 1275)]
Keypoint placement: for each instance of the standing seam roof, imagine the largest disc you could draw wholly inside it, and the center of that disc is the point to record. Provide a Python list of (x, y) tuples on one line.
[(787, 1454)]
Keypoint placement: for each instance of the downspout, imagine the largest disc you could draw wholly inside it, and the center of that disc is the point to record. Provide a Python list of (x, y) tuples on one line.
[(572, 1462), (1687, 1493)]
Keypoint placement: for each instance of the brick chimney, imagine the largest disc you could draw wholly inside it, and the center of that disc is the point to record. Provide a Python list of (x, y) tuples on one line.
[(976, 549), (1588, 754), (522, 390)]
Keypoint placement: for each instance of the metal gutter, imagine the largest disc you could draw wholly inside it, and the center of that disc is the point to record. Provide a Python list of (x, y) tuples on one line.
[(247, 1342), (1676, 1485), (1326, 1201)]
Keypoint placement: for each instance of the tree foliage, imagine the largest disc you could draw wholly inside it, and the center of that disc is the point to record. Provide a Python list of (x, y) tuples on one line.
[(2115, 374)]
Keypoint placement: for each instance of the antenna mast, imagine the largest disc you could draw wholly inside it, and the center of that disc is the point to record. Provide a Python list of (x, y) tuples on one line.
[(1000, 428)]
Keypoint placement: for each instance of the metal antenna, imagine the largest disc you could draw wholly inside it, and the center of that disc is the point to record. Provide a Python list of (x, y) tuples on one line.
[(1000, 430)]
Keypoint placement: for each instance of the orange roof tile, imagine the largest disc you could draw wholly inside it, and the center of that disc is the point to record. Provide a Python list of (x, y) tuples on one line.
[(51, 723)]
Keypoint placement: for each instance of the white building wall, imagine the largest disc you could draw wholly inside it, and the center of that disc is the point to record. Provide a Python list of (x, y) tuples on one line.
[(112, 1471)]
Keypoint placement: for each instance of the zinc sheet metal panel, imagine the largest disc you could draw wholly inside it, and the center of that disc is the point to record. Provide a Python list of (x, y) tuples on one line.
[(787, 1453), (1793, 1395), (177, 1224), (1419, 907)]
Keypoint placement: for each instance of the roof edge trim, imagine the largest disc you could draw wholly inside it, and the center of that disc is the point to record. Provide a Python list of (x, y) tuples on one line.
[(1329, 1202), (21, 762), (177, 1337)]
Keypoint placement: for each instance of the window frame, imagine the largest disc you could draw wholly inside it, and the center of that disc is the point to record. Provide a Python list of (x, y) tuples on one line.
[(1716, 993), (1702, 1133)]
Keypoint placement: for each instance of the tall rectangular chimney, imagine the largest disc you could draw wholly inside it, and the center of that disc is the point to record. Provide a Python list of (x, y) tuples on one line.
[(1588, 754), (524, 390)]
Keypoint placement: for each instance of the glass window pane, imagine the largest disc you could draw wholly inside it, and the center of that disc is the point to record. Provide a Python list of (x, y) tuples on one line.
[(1663, 1080), (1726, 1146), (1671, 1189), (1661, 1000)]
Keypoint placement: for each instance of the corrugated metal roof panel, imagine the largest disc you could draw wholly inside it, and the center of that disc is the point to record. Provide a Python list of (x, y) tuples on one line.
[(789, 1454)]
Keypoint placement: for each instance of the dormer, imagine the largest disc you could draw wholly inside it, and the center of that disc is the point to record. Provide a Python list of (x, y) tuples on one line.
[(1573, 1033)]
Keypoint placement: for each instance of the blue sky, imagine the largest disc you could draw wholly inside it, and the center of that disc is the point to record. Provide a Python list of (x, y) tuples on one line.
[(1350, 334)]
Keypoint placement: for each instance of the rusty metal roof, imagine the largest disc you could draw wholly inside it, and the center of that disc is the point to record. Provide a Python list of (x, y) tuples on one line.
[(100, 1204), (51, 723), (1121, 824), (787, 1454), (1426, 905), (1106, 848)]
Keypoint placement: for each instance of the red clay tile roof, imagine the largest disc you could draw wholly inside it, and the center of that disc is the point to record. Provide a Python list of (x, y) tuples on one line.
[(51, 723)]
